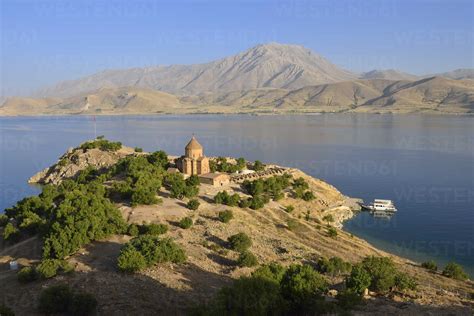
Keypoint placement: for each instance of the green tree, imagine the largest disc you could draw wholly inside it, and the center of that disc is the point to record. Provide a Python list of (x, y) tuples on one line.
[(382, 271), (159, 158), (303, 287), (334, 266), (328, 218), (359, 279)]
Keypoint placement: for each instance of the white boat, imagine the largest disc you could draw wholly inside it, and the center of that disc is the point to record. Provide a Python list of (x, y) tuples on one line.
[(381, 205)]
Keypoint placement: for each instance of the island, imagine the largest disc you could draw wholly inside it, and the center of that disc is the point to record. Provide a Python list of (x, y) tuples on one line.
[(117, 230)]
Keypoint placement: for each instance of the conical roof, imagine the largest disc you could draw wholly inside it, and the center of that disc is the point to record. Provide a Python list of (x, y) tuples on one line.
[(193, 144)]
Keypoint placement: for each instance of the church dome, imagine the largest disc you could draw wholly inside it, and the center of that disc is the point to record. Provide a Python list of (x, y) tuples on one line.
[(193, 144)]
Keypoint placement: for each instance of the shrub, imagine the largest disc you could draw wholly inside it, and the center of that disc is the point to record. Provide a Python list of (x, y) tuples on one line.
[(273, 272), (328, 218), (138, 150), (193, 204), (225, 198), (248, 296), (133, 230), (49, 268), (300, 183), (10, 232), (430, 265), (186, 223), (244, 203), (6, 311), (303, 287), (3, 220), (334, 266), (143, 196), (154, 229), (55, 299), (131, 260), (152, 249), (192, 180), (289, 208), (159, 158), (26, 275), (256, 202), (83, 304), (226, 216), (455, 271), (180, 188), (240, 242), (292, 224), (247, 259), (359, 279), (258, 165), (404, 282), (332, 232), (348, 299), (308, 196)]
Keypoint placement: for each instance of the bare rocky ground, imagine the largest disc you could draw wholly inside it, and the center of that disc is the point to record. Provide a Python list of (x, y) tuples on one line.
[(170, 289)]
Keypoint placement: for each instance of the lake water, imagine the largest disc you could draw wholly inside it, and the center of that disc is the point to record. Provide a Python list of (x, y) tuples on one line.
[(424, 163)]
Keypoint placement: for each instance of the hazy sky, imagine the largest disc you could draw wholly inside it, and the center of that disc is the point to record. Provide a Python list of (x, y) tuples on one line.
[(45, 41)]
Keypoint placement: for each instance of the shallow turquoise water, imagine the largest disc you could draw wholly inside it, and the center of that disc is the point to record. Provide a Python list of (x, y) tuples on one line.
[(424, 163)]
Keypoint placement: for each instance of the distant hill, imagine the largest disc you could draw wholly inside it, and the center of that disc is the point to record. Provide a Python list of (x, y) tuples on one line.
[(457, 74), (271, 65), (433, 95), (266, 78), (389, 74)]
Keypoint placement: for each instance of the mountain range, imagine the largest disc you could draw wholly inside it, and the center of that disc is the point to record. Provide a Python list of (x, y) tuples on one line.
[(266, 78)]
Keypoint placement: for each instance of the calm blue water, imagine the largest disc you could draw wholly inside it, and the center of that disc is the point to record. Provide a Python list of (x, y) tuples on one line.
[(424, 163)]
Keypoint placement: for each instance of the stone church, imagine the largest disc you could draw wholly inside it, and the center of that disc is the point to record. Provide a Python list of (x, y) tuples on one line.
[(193, 162)]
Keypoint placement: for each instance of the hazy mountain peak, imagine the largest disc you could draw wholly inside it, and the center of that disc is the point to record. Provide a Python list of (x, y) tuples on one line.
[(270, 65), (388, 74)]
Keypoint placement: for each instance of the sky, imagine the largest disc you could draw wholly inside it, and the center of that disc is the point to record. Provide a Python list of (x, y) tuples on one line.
[(45, 41)]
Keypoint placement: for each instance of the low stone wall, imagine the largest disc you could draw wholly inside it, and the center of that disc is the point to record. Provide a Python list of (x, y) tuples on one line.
[(259, 174)]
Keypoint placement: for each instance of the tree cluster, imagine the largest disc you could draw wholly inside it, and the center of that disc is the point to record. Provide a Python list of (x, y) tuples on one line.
[(300, 188), (102, 144), (378, 274), (180, 188), (222, 165), (272, 290)]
